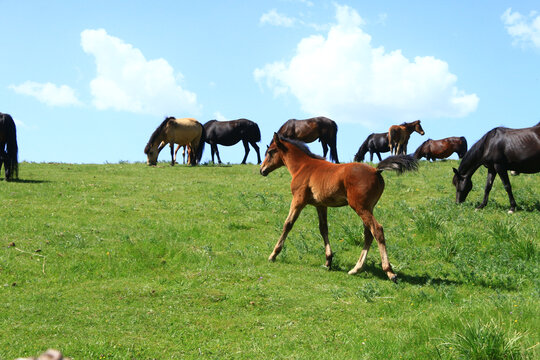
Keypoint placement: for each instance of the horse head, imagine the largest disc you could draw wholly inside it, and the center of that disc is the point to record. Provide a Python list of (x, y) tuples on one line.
[(418, 127), (463, 185), (152, 151), (273, 158)]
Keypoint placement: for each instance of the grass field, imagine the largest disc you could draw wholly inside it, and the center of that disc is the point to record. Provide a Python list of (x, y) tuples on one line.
[(125, 261)]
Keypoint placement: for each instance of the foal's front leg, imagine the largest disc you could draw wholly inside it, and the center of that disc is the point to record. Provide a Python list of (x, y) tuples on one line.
[(322, 211), (296, 208)]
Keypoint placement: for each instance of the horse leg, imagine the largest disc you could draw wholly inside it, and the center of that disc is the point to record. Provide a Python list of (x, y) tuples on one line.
[(246, 148), (176, 152), (171, 145), (322, 211), (378, 233), (489, 183), (368, 239), (213, 151), (184, 154), (324, 148), (256, 147), (378, 155), (217, 154), (503, 174), (296, 208)]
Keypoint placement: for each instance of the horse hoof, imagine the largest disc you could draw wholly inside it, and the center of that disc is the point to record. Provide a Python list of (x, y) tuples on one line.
[(394, 279), (510, 211), (271, 258), (353, 272)]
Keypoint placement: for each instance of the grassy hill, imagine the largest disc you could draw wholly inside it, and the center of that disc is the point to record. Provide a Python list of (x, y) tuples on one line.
[(125, 261)]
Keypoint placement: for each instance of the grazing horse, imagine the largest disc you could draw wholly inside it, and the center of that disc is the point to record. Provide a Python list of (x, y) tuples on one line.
[(398, 136), (441, 149), (176, 131), (375, 144), (499, 150), (320, 183), (309, 130), (8, 147), (229, 133)]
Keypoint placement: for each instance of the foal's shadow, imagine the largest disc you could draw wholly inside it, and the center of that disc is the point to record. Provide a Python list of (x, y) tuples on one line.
[(26, 181)]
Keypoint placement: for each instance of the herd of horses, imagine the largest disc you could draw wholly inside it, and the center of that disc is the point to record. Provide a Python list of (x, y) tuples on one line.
[(324, 184)]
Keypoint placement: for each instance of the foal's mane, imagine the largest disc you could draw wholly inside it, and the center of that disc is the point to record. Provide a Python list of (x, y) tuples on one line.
[(156, 133), (302, 146)]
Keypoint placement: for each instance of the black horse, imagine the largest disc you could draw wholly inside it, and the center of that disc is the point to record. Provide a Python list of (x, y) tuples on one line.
[(8, 147), (375, 144), (499, 150), (229, 133), (309, 130)]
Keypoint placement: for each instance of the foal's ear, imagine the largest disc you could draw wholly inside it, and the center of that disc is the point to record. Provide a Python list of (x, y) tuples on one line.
[(455, 171), (279, 143)]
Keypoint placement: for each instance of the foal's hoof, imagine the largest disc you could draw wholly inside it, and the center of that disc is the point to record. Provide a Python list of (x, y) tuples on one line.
[(271, 258), (394, 279), (353, 272)]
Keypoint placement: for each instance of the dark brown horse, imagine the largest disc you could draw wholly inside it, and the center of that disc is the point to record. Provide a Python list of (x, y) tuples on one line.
[(499, 150), (375, 144), (309, 130), (398, 136), (8, 147), (320, 183), (441, 149)]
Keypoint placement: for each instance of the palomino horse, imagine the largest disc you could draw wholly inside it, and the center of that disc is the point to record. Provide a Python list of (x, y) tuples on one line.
[(229, 133), (176, 131), (375, 144), (8, 147), (398, 136), (309, 130), (320, 183), (499, 150), (441, 149)]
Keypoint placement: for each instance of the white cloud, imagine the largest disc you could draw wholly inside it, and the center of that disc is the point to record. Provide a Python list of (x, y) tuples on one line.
[(524, 29), (272, 17), (48, 93), (219, 116), (344, 77), (127, 81)]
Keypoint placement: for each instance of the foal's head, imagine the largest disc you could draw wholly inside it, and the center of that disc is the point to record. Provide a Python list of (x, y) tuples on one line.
[(273, 158), (418, 127)]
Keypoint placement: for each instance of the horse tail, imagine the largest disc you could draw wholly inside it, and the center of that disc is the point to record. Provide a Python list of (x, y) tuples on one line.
[(11, 162), (399, 163), (256, 132), (200, 146), (463, 147), (332, 141), (362, 150)]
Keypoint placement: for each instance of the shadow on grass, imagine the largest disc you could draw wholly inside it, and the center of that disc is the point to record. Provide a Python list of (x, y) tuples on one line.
[(27, 181)]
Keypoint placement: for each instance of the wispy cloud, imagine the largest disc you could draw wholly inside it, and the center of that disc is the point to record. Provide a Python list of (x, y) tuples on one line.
[(342, 75), (524, 29), (127, 81), (48, 93), (274, 18)]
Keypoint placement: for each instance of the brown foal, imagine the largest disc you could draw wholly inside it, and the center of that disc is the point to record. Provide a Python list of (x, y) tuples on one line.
[(320, 183)]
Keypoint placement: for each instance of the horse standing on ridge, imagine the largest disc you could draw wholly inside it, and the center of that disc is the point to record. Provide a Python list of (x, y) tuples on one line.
[(398, 136), (8, 147), (176, 131), (311, 129), (320, 183), (229, 133), (499, 150), (375, 144), (441, 149)]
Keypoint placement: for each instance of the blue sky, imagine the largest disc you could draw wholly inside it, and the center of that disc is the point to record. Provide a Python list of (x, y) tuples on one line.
[(88, 81)]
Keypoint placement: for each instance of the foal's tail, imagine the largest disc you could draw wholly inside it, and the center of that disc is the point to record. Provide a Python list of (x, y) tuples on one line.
[(399, 163)]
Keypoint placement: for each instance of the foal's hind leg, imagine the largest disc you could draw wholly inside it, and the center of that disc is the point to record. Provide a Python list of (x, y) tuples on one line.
[(368, 239), (322, 211), (377, 231), (296, 208)]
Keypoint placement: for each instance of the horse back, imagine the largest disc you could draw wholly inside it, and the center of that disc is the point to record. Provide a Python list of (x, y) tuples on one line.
[(516, 149)]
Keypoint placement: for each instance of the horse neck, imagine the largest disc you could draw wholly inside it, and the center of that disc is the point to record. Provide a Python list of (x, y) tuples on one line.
[(294, 159), (410, 128), (470, 163)]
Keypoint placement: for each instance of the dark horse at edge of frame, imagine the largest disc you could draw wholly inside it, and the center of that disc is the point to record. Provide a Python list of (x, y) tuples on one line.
[(441, 149), (8, 147), (322, 184), (499, 150), (375, 144), (228, 133), (309, 130)]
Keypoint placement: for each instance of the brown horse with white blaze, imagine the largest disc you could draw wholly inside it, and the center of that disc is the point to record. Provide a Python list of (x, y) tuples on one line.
[(176, 131), (398, 136), (323, 184)]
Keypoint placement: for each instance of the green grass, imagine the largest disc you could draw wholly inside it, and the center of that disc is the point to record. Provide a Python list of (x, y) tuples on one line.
[(125, 261)]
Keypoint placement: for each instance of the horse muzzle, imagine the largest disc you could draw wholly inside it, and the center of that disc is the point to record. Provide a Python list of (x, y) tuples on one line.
[(263, 172)]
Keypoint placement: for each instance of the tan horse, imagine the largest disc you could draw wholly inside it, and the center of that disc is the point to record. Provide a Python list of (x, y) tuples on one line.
[(398, 136), (322, 184), (176, 131)]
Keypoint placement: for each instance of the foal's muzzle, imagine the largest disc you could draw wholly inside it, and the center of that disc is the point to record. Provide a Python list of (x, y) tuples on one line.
[(263, 172)]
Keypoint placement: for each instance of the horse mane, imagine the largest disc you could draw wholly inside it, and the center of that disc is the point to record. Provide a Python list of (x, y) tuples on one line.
[(420, 148), (472, 156), (363, 149), (302, 146), (156, 133)]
